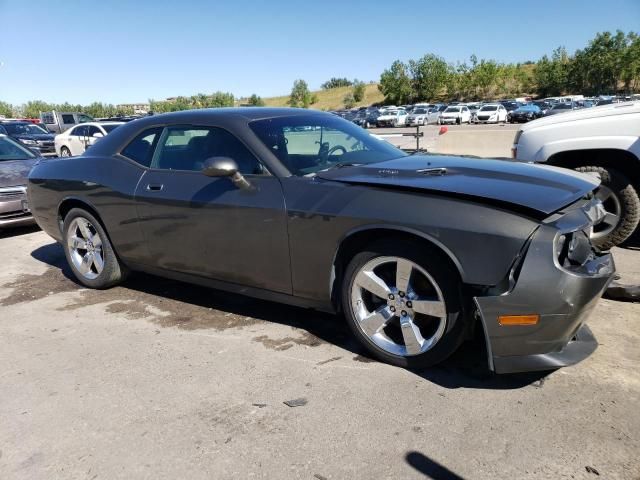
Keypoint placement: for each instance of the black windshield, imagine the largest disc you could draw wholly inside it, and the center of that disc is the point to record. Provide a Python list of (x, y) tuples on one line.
[(12, 150), (23, 129), (306, 144)]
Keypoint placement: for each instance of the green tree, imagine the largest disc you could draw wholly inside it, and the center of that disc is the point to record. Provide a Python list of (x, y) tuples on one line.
[(33, 108), (551, 74), (256, 101), (598, 68), (220, 99), (300, 94), (631, 64), (358, 90), (349, 100), (395, 83), (429, 76), (6, 109), (335, 83)]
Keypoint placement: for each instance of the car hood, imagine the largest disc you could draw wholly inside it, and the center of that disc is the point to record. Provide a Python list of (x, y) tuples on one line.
[(15, 172), (541, 188), (46, 137)]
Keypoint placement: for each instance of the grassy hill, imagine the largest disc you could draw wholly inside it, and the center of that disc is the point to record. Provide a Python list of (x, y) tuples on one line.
[(332, 99)]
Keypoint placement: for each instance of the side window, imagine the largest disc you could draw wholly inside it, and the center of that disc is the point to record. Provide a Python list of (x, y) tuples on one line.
[(93, 129), (187, 147), (140, 149), (80, 131), (2, 130), (67, 119), (84, 118)]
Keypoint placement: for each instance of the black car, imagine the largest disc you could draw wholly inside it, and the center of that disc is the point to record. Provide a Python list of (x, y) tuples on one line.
[(368, 118), (30, 135), (525, 113), (309, 209), (543, 105), (561, 108)]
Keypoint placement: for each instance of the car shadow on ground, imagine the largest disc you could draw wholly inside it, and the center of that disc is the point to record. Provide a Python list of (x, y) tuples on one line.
[(633, 242), (14, 232), (467, 368)]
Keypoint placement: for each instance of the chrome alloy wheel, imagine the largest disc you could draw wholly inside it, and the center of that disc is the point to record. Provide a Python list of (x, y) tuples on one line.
[(398, 306), (85, 248)]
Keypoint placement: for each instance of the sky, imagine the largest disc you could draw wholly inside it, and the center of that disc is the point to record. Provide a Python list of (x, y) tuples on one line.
[(128, 51)]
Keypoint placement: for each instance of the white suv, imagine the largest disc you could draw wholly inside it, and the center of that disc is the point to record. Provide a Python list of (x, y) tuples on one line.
[(455, 114), (601, 140)]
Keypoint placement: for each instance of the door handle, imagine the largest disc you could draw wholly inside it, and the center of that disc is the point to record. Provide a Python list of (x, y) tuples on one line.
[(155, 187)]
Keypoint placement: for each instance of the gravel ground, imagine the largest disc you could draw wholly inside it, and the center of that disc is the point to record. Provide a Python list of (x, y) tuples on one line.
[(158, 379)]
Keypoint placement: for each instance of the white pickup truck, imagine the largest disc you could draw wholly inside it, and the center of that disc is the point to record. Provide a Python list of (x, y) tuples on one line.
[(602, 140)]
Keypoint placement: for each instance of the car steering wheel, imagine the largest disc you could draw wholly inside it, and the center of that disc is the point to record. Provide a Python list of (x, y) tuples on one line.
[(335, 148)]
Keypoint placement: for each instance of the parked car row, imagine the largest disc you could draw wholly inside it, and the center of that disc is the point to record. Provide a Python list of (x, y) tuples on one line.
[(73, 141), (520, 110)]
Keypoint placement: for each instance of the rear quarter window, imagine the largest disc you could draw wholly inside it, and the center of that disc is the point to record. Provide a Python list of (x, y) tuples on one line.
[(141, 148)]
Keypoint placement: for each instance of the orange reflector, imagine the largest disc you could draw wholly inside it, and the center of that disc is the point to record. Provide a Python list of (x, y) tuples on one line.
[(509, 320)]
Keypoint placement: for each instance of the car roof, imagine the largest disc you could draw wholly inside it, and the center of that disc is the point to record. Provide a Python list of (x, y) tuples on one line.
[(249, 113)]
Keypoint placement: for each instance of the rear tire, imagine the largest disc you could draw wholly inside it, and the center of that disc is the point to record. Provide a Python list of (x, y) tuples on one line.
[(619, 198), (431, 285), (89, 251)]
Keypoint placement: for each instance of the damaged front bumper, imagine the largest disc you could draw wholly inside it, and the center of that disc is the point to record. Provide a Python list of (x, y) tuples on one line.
[(561, 295)]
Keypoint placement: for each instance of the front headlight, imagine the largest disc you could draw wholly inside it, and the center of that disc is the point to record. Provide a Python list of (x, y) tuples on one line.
[(573, 249), (26, 141)]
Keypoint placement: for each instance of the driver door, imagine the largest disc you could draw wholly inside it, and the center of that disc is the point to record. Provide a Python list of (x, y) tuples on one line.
[(77, 139), (206, 226)]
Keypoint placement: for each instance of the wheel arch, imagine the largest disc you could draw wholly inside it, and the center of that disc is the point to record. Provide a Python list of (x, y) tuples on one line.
[(621, 160), (356, 239), (70, 203)]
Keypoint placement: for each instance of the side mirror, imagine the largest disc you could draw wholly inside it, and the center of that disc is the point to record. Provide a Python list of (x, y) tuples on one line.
[(220, 167), (225, 167)]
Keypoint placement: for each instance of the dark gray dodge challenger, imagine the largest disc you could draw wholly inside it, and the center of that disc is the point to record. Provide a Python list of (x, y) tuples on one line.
[(308, 209)]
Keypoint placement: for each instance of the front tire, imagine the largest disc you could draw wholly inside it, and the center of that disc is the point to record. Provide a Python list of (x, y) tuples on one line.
[(402, 302), (89, 251), (622, 204), (65, 152)]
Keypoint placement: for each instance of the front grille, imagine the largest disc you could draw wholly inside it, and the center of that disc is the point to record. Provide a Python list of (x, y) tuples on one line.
[(45, 143), (483, 117), (12, 193)]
